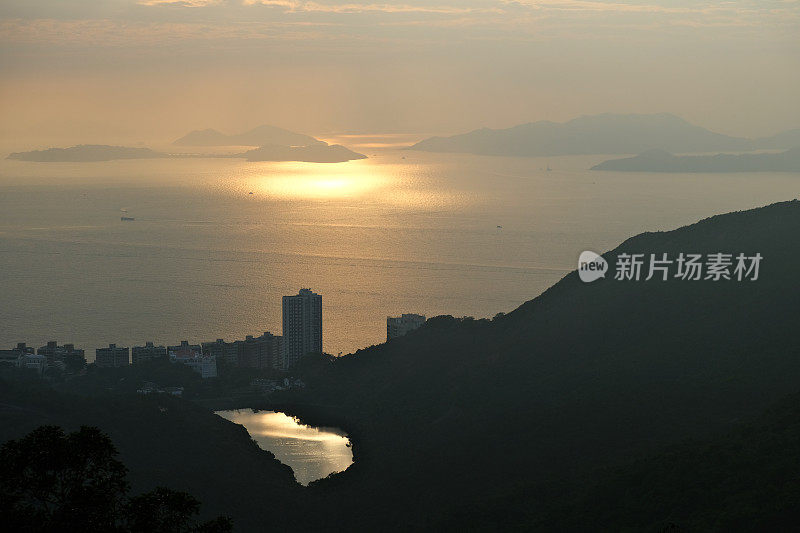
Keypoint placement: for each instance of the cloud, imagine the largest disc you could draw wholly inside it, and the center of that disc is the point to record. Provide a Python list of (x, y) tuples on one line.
[(109, 33), (298, 6), (741, 8), (180, 3), (147, 22)]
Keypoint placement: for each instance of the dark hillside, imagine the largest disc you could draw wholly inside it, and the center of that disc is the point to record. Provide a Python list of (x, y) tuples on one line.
[(581, 377), (169, 442)]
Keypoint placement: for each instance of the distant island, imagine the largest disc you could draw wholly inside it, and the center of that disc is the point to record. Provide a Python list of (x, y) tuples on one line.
[(274, 144), (662, 161), (260, 136), (319, 152), (786, 139), (600, 134), (87, 153)]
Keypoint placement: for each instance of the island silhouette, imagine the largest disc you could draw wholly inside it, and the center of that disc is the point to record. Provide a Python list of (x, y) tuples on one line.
[(315, 153), (319, 152), (273, 144), (87, 153), (259, 136), (662, 161), (606, 133)]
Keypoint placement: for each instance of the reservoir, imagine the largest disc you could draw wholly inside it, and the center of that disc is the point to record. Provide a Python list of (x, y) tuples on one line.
[(312, 453)]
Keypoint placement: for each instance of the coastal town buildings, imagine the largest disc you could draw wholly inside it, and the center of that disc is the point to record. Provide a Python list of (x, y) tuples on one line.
[(302, 327)]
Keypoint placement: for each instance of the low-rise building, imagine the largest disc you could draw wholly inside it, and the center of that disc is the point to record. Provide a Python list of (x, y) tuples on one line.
[(24, 357), (63, 357), (54, 352), (265, 386), (205, 365), (38, 363), (183, 346), (148, 387), (222, 351), (11, 356), (112, 357), (192, 356), (399, 326), (260, 352), (184, 351), (148, 352)]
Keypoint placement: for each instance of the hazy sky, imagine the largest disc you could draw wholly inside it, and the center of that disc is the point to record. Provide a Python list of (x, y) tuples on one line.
[(94, 70)]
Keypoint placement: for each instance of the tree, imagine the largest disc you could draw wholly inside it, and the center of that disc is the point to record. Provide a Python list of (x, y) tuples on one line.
[(53, 481), (50, 481), (168, 510), (74, 362)]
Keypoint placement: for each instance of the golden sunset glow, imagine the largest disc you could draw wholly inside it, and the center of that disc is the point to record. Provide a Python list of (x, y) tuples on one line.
[(312, 181), (280, 425), (424, 265)]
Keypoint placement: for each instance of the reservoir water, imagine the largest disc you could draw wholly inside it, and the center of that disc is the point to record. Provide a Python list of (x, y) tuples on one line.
[(312, 453)]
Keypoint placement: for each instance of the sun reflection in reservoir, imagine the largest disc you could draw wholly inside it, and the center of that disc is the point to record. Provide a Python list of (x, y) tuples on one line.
[(312, 453)]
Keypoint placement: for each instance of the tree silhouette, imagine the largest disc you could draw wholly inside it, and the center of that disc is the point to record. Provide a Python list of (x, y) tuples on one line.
[(54, 481), (69, 482), (165, 509)]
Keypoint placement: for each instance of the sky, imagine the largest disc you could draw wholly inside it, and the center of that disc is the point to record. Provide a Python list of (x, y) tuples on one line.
[(147, 70)]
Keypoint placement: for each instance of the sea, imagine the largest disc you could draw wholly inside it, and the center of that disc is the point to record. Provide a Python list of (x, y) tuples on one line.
[(215, 243)]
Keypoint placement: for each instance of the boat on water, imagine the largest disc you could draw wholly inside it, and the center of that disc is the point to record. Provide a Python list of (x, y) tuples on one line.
[(126, 219)]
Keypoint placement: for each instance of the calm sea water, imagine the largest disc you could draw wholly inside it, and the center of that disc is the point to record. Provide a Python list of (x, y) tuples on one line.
[(312, 453), (398, 232)]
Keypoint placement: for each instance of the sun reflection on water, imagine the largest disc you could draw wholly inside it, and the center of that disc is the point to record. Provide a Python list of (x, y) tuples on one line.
[(382, 180), (313, 453), (297, 180)]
